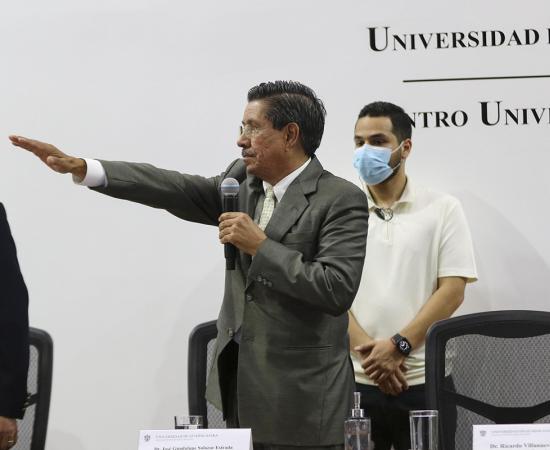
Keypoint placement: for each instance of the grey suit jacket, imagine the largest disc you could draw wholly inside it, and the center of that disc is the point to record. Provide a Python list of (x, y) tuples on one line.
[(290, 301)]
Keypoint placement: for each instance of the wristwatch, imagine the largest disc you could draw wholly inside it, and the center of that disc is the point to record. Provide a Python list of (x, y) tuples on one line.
[(402, 344)]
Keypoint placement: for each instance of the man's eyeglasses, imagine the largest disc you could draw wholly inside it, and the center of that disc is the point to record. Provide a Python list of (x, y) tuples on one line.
[(249, 131)]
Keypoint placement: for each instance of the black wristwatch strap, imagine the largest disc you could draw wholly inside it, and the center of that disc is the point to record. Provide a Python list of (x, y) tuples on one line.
[(402, 343)]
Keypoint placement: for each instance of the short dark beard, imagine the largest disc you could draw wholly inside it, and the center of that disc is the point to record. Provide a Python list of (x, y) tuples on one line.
[(395, 169)]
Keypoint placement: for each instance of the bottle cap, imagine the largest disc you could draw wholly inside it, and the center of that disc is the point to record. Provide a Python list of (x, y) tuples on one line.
[(357, 412)]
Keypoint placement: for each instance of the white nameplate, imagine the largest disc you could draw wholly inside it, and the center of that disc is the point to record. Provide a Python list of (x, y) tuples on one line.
[(526, 436), (203, 439)]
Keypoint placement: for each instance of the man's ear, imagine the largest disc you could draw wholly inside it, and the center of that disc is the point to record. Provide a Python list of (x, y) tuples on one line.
[(292, 135), (406, 149)]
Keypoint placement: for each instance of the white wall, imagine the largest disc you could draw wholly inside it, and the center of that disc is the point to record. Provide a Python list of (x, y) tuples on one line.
[(120, 286)]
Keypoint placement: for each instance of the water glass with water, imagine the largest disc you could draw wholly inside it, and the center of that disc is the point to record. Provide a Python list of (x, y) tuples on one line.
[(424, 431), (188, 422)]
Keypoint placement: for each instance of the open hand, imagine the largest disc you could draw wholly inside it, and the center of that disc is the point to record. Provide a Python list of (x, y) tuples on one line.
[(54, 158)]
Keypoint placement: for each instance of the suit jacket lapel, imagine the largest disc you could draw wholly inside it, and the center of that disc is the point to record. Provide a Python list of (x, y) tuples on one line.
[(288, 211), (294, 202)]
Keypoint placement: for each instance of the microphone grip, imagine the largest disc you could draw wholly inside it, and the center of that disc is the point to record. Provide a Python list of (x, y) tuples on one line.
[(230, 254), (230, 204)]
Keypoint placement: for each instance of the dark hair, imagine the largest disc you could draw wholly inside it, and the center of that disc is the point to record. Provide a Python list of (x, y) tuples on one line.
[(290, 101), (401, 122)]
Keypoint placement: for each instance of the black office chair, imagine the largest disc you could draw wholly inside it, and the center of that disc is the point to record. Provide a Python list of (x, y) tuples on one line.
[(33, 427), (486, 368), (202, 344)]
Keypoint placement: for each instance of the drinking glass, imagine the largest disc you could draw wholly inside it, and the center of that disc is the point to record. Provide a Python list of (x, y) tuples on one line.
[(187, 422), (424, 434)]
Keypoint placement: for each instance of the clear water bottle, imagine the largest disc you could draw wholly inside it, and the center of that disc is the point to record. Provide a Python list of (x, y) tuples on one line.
[(357, 427)]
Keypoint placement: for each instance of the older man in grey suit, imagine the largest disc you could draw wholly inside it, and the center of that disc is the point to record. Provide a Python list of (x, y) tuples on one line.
[(282, 366)]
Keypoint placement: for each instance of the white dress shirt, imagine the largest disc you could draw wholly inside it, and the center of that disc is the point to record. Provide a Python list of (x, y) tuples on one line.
[(95, 174), (280, 188)]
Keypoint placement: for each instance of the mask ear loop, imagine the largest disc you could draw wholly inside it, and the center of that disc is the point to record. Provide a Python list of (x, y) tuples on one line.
[(401, 160), (397, 148)]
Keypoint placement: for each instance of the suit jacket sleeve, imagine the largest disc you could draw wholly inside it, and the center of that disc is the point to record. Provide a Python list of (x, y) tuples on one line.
[(190, 197), (330, 281), (14, 327)]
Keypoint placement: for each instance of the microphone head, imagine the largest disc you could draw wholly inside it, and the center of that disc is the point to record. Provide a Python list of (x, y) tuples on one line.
[(230, 186)]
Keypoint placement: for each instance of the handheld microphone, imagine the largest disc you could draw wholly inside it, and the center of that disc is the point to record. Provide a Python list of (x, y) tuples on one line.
[(230, 191)]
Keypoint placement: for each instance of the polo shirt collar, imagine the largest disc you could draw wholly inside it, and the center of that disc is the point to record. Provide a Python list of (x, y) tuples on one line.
[(406, 197)]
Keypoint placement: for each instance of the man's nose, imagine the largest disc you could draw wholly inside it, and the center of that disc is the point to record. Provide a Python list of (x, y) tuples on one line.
[(243, 141)]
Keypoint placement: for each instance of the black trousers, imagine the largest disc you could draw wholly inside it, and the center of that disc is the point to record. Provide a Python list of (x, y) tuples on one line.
[(287, 447), (228, 361), (389, 414)]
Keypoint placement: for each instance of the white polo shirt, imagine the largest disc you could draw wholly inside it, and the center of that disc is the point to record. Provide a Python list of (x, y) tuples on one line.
[(427, 238)]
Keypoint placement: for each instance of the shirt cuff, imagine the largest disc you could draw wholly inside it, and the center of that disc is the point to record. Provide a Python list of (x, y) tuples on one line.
[(95, 174)]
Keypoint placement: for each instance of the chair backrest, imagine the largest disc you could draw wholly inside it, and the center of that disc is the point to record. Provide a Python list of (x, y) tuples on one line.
[(33, 427), (202, 344), (486, 368)]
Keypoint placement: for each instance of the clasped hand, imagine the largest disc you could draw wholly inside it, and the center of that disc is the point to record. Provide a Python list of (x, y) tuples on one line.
[(240, 230), (383, 364)]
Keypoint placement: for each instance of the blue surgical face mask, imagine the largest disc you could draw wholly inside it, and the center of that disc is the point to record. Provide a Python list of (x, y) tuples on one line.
[(372, 163)]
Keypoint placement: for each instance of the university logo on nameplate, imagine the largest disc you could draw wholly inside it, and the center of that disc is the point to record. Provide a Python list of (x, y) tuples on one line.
[(201, 439), (523, 436)]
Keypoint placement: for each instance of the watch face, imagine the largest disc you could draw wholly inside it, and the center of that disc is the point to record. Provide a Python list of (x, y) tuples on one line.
[(404, 346)]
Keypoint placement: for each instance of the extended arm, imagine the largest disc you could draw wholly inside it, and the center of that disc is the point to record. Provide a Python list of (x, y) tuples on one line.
[(190, 197)]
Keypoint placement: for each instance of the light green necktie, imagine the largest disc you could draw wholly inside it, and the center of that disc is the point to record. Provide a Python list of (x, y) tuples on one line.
[(269, 206)]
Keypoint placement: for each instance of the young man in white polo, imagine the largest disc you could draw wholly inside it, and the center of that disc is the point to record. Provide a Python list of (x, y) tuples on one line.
[(419, 259)]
